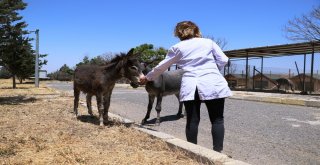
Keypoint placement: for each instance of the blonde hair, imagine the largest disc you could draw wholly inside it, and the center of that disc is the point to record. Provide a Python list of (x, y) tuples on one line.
[(186, 30)]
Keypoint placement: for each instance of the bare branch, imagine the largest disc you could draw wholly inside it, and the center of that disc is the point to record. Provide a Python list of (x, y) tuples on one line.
[(222, 42), (305, 28)]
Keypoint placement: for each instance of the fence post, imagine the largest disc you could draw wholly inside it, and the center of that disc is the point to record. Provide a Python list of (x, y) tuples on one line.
[(311, 77), (254, 69), (247, 72), (261, 73)]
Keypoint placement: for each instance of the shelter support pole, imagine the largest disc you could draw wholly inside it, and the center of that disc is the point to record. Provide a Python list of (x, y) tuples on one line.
[(301, 83), (304, 74), (247, 72), (289, 73), (311, 78), (229, 67), (261, 73), (254, 70)]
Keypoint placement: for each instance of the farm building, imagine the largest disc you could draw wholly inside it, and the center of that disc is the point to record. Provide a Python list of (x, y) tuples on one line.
[(302, 82), (236, 81), (266, 81), (259, 53)]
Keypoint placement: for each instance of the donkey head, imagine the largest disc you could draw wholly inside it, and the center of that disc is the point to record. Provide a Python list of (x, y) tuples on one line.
[(131, 68), (147, 65)]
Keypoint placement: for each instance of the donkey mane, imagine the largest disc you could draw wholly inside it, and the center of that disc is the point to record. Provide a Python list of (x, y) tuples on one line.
[(117, 58), (114, 61)]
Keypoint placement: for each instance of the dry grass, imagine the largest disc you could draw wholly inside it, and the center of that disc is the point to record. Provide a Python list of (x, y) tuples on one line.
[(23, 89), (37, 126)]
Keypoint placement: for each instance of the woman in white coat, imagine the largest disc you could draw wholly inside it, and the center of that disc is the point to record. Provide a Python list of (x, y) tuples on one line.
[(200, 59)]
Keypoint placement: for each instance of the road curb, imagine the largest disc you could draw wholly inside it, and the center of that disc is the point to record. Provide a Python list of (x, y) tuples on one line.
[(199, 153), (311, 103), (278, 100)]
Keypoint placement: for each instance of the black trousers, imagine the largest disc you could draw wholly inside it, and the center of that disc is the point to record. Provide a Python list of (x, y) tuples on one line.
[(215, 109)]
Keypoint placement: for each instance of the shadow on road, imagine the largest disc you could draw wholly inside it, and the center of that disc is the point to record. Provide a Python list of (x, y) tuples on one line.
[(163, 119), (95, 120), (89, 119)]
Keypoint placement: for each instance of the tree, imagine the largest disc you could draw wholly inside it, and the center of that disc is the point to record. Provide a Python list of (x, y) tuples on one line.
[(65, 73), (107, 56), (65, 68), (150, 54), (99, 60), (16, 53), (84, 61), (4, 73), (221, 42), (305, 28), (27, 63)]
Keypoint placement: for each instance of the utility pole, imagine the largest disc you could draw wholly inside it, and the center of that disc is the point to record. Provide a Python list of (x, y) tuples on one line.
[(36, 68)]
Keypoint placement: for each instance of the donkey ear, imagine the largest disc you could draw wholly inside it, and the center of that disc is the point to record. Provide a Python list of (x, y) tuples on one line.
[(130, 53)]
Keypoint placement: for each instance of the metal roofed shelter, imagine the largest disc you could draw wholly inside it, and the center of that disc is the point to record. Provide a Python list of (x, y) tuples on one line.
[(276, 51)]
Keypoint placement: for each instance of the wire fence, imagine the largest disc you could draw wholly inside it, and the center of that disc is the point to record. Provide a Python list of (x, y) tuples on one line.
[(272, 78), (294, 79), (287, 72)]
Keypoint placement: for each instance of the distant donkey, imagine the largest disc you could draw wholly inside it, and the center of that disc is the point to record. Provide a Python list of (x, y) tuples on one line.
[(285, 82), (168, 83), (100, 81)]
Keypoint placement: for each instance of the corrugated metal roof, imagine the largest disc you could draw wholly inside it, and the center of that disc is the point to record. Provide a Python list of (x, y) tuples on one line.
[(277, 50)]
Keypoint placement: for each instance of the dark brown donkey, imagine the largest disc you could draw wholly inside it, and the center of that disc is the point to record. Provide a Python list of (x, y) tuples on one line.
[(100, 81)]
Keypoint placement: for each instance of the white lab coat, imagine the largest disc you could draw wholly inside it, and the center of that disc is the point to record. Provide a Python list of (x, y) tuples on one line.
[(200, 59)]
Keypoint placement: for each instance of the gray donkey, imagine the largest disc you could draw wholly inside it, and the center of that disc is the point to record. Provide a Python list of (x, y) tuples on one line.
[(168, 83)]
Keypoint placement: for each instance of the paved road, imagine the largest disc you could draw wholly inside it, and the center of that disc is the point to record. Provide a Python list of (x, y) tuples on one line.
[(256, 132)]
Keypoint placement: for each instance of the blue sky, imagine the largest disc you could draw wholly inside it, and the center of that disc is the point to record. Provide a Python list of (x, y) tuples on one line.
[(71, 29)]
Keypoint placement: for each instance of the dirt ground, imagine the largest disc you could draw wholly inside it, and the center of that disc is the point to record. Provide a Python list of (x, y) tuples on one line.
[(37, 126)]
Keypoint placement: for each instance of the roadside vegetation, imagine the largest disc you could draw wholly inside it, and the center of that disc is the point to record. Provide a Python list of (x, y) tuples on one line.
[(37, 126)]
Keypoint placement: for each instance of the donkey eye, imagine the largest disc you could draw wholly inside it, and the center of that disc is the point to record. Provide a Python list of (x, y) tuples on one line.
[(133, 67)]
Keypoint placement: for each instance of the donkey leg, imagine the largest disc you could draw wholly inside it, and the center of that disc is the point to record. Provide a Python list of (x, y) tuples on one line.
[(179, 114), (76, 93), (158, 108), (150, 103), (89, 98), (106, 105), (100, 108), (292, 88)]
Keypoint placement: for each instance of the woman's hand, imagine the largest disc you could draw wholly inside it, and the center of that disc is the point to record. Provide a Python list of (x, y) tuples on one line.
[(143, 80)]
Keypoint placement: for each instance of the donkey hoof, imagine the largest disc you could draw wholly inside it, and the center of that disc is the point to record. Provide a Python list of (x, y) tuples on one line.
[(102, 124), (143, 122), (106, 122), (179, 115), (157, 123)]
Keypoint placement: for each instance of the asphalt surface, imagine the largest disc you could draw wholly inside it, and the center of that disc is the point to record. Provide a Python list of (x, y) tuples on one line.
[(256, 132)]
